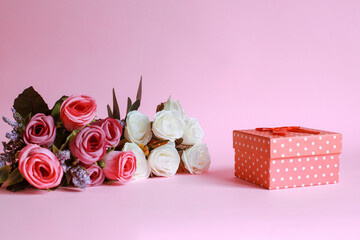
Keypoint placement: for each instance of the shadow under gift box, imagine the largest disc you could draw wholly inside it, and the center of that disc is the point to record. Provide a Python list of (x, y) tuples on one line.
[(296, 159)]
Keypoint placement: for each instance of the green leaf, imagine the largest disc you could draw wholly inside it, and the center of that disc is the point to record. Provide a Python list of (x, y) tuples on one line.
[(68, 139), (21, 119), (108, 181), (135, 106), (61, 135), (4, 173), (101, 163), (14, 177), (139, 91), (55, 112), (110, 114), (111, 149), (53, 188), (30, 101), (129, 104), (116, 110), (18, 186), (27, 119), (55, 150), (68, 177)]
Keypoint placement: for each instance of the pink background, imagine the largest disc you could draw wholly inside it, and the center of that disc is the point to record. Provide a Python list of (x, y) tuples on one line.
[(234, 65)]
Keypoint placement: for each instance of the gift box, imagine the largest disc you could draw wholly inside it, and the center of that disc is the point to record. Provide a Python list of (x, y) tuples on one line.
[(287, 157)]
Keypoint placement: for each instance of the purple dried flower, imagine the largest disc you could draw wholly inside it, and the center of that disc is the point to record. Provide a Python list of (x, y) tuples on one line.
[(63, 156), (17, 126), (80, 177), (16, 143), (16, 115), (13, 124), (3, 160), (13, 135)]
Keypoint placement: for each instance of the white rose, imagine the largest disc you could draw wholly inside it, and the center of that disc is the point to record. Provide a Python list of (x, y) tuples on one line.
[(193, 133), (137, 128), (168, 126), (142, 166), (164, 161), (175, 107), (196, 159)]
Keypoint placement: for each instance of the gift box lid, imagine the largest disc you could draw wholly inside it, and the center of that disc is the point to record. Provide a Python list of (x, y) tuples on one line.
[(284, 143)]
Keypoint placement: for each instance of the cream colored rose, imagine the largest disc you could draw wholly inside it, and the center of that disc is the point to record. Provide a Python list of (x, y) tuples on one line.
[(193, 133), (196, 159), (137, 128), (175, 107), (142, 166), (164, 161), (168, 125)]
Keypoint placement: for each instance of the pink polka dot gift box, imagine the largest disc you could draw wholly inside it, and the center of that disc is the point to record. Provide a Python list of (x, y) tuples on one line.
[(287, 157)]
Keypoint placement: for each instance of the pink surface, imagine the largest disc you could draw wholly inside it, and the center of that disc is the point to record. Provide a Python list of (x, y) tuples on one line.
[(233, 65)]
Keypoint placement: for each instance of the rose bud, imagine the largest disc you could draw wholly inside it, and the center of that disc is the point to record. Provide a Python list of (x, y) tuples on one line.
[(112, 129), (164, 161), (142, 165), (137, 128), (97, 175), (40, 167), (196, 159), (120, 166), (168, 126), (77, 111), (41, 130), (193, 133), (89, 145)]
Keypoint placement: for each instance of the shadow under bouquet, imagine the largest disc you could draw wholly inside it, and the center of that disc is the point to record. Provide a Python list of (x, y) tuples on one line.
[(69, 146)]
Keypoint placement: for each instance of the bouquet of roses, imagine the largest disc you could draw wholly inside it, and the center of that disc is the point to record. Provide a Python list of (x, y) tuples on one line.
[(69, 146)]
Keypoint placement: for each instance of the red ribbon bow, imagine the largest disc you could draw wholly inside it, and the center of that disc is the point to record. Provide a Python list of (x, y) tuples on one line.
[(282, 131)]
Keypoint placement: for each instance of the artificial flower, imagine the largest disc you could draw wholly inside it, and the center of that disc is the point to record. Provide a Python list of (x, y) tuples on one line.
[(142, 165), (164, 161), (168, 125), (137, 128), (112, 129), (40, 167), (193, 132), (41, 130), (97, 175), (77, 111), (89, 145), (196, 159), (120, 166), (175, 107)]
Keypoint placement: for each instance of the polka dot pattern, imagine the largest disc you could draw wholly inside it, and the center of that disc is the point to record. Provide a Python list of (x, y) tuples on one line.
[(294, 160)]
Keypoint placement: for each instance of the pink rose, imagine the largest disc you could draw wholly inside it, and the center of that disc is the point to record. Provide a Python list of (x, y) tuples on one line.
[(97, 175), (120, 166), (112, 129), (40, 167), (41, 130), (77, 111), (89, 145)]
